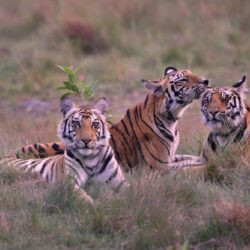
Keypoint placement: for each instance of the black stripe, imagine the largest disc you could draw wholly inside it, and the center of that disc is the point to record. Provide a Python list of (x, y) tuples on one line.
[(106, 162), (114, 147), (124, 138), (176, 93), (125, 146), (57, 148), (71, 167), (33, 165), (153, 156), (124, 126), (211, 142), (41, 151), (71, 155), (165, 132), (44, 165), (76, 181), (31, 152), (112, 176), (136, 139), (120, 184), (169, 96), (103, 130), (51, 170), (145, 102), (65, 128)]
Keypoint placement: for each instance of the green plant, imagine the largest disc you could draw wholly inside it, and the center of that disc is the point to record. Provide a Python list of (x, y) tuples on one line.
[(73, 85)]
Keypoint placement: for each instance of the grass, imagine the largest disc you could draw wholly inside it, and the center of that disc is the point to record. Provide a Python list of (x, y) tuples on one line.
[(189, 209), (119, 43)]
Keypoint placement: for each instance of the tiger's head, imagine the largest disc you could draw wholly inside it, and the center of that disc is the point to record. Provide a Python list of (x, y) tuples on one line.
[(84, 128), (177, 88), (223, 109)]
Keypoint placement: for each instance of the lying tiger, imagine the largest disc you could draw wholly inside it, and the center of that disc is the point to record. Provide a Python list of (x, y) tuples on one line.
[(87, 155), (147, 134), (227, 115)]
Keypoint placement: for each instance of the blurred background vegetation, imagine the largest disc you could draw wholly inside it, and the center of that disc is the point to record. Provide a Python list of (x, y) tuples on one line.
[(119, 42)]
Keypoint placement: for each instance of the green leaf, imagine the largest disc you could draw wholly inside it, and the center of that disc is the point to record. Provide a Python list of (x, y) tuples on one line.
[(65, 95), (77, 69), (71, 87), (72, 79), (61, 88), (66, 69)]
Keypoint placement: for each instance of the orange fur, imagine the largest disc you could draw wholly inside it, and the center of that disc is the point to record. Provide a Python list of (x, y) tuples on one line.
[(136, 139)]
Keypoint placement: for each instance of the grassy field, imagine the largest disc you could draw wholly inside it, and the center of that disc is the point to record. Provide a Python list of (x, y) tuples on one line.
[(117, 43)]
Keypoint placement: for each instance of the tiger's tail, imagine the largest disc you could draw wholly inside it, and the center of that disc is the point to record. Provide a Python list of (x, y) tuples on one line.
[(40, 150)]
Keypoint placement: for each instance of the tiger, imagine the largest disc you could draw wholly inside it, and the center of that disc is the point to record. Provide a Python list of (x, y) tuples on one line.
[(147, 134), (88, 155), (227, 116)]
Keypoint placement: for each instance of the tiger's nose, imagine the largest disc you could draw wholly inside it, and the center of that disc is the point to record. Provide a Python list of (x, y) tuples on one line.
[(214, 112), (86, 141)]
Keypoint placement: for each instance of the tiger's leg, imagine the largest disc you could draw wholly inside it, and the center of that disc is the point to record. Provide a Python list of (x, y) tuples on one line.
[(78, 180), (173, 166), (83, 194), (40, 150), (112, 175), (183, 164), (178, 158), (117, 179)]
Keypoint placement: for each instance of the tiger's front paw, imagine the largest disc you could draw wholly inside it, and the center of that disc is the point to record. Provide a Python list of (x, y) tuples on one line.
[(86, 197)]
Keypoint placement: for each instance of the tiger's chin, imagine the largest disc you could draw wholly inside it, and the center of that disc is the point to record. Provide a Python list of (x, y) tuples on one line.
[(90, 149), (215, 125), (85, 151), (220, 127)]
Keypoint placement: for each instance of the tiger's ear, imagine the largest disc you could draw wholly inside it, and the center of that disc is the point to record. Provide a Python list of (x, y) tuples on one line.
[(170, 70), (66, 105), (241, 85), (101, 105), (154, 87)]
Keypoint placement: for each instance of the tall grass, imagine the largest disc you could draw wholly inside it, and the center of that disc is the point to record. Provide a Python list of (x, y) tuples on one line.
[(156, 212)]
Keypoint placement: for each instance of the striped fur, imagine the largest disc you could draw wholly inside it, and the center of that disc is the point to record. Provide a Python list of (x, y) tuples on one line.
[(88, 155), (227, 115), (147, 134)]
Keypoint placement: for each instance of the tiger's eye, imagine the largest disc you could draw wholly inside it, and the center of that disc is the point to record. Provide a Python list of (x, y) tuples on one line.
[(95, 125), (76, 123)]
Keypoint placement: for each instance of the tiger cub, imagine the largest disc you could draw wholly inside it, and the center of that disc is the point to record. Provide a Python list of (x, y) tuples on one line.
[(87, 156), (227, 115)]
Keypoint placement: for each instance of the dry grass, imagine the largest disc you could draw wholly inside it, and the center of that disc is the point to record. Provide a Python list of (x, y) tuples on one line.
[(117, 43), (156, 212)]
